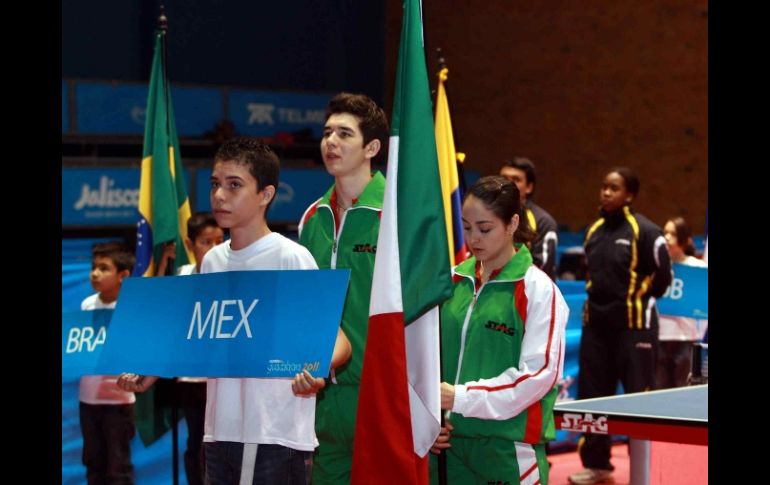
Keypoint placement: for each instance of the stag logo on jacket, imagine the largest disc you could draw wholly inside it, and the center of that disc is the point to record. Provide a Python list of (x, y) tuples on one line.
[(500, 327), (365, 248)]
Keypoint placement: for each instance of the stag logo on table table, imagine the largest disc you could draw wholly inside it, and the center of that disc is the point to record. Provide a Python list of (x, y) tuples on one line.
[(584, 423)]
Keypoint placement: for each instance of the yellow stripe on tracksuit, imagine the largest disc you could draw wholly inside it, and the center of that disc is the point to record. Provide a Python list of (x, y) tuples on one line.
[(531, 219), (590, 231), (631, 298)]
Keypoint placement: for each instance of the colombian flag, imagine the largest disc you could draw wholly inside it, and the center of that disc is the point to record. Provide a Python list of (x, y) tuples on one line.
[(447, 163)]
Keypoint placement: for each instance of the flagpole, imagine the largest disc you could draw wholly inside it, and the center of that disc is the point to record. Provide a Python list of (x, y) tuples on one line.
[(163, 28), (442, 465), (460, 156)]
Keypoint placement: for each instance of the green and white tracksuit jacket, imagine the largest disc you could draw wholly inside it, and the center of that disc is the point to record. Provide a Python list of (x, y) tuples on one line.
[(503, 347), (354, 247)]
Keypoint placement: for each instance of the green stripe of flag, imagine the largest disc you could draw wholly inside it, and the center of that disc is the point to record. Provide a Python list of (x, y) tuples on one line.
[(422, 236)]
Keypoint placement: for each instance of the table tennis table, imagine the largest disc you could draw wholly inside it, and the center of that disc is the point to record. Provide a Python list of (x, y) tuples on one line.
[(678, 415)]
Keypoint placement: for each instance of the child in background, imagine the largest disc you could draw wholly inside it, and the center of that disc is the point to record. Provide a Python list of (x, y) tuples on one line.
[(106, 411)]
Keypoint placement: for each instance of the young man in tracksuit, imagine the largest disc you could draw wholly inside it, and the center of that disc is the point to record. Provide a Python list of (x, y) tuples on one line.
[(628, 265), (521, 171), (340, 229)]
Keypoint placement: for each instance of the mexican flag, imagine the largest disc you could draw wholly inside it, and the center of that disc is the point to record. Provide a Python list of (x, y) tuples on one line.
[(399, 400)]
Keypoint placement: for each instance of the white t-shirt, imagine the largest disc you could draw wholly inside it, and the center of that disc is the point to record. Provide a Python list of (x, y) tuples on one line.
[(101, 389), (263, 411), (683, 329)]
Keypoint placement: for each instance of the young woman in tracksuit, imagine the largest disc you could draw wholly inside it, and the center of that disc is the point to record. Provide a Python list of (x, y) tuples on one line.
[(503, 348), (628, 265)]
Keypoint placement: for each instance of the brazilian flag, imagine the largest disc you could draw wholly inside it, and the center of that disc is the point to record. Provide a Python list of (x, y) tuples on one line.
[(164, 207), (164, 210)]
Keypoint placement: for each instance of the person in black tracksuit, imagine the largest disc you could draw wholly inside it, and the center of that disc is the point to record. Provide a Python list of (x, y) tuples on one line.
[(628, 265), (521, 171)]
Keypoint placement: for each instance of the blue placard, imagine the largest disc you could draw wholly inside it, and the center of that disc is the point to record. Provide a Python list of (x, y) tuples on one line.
[(265, 113), (65, 108), (687, 296), (82, 339), (101, 196), (297, 189), (231, 324), (115, 108)]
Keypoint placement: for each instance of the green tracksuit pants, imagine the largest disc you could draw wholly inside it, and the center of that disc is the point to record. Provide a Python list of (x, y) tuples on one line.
[(492, 461)]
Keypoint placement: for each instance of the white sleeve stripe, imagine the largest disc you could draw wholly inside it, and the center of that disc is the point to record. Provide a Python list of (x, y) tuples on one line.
[(304, 216), (550, 235), (659, 241)]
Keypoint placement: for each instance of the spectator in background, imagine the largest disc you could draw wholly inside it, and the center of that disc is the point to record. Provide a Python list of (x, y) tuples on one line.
[(222, 131), (677, 334), (628, 265), (521, 171)]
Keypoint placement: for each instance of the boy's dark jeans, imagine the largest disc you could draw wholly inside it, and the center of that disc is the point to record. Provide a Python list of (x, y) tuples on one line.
[(274, 464), (107, 431)]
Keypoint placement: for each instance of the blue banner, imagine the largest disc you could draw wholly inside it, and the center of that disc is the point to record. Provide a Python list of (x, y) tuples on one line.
[(82, 338), (297, 190), (114, 108), (265, 113), (101, 196), (231, 324), (687, 296)]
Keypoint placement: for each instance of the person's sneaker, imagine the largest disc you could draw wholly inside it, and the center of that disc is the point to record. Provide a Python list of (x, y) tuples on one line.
[(591, 475)]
